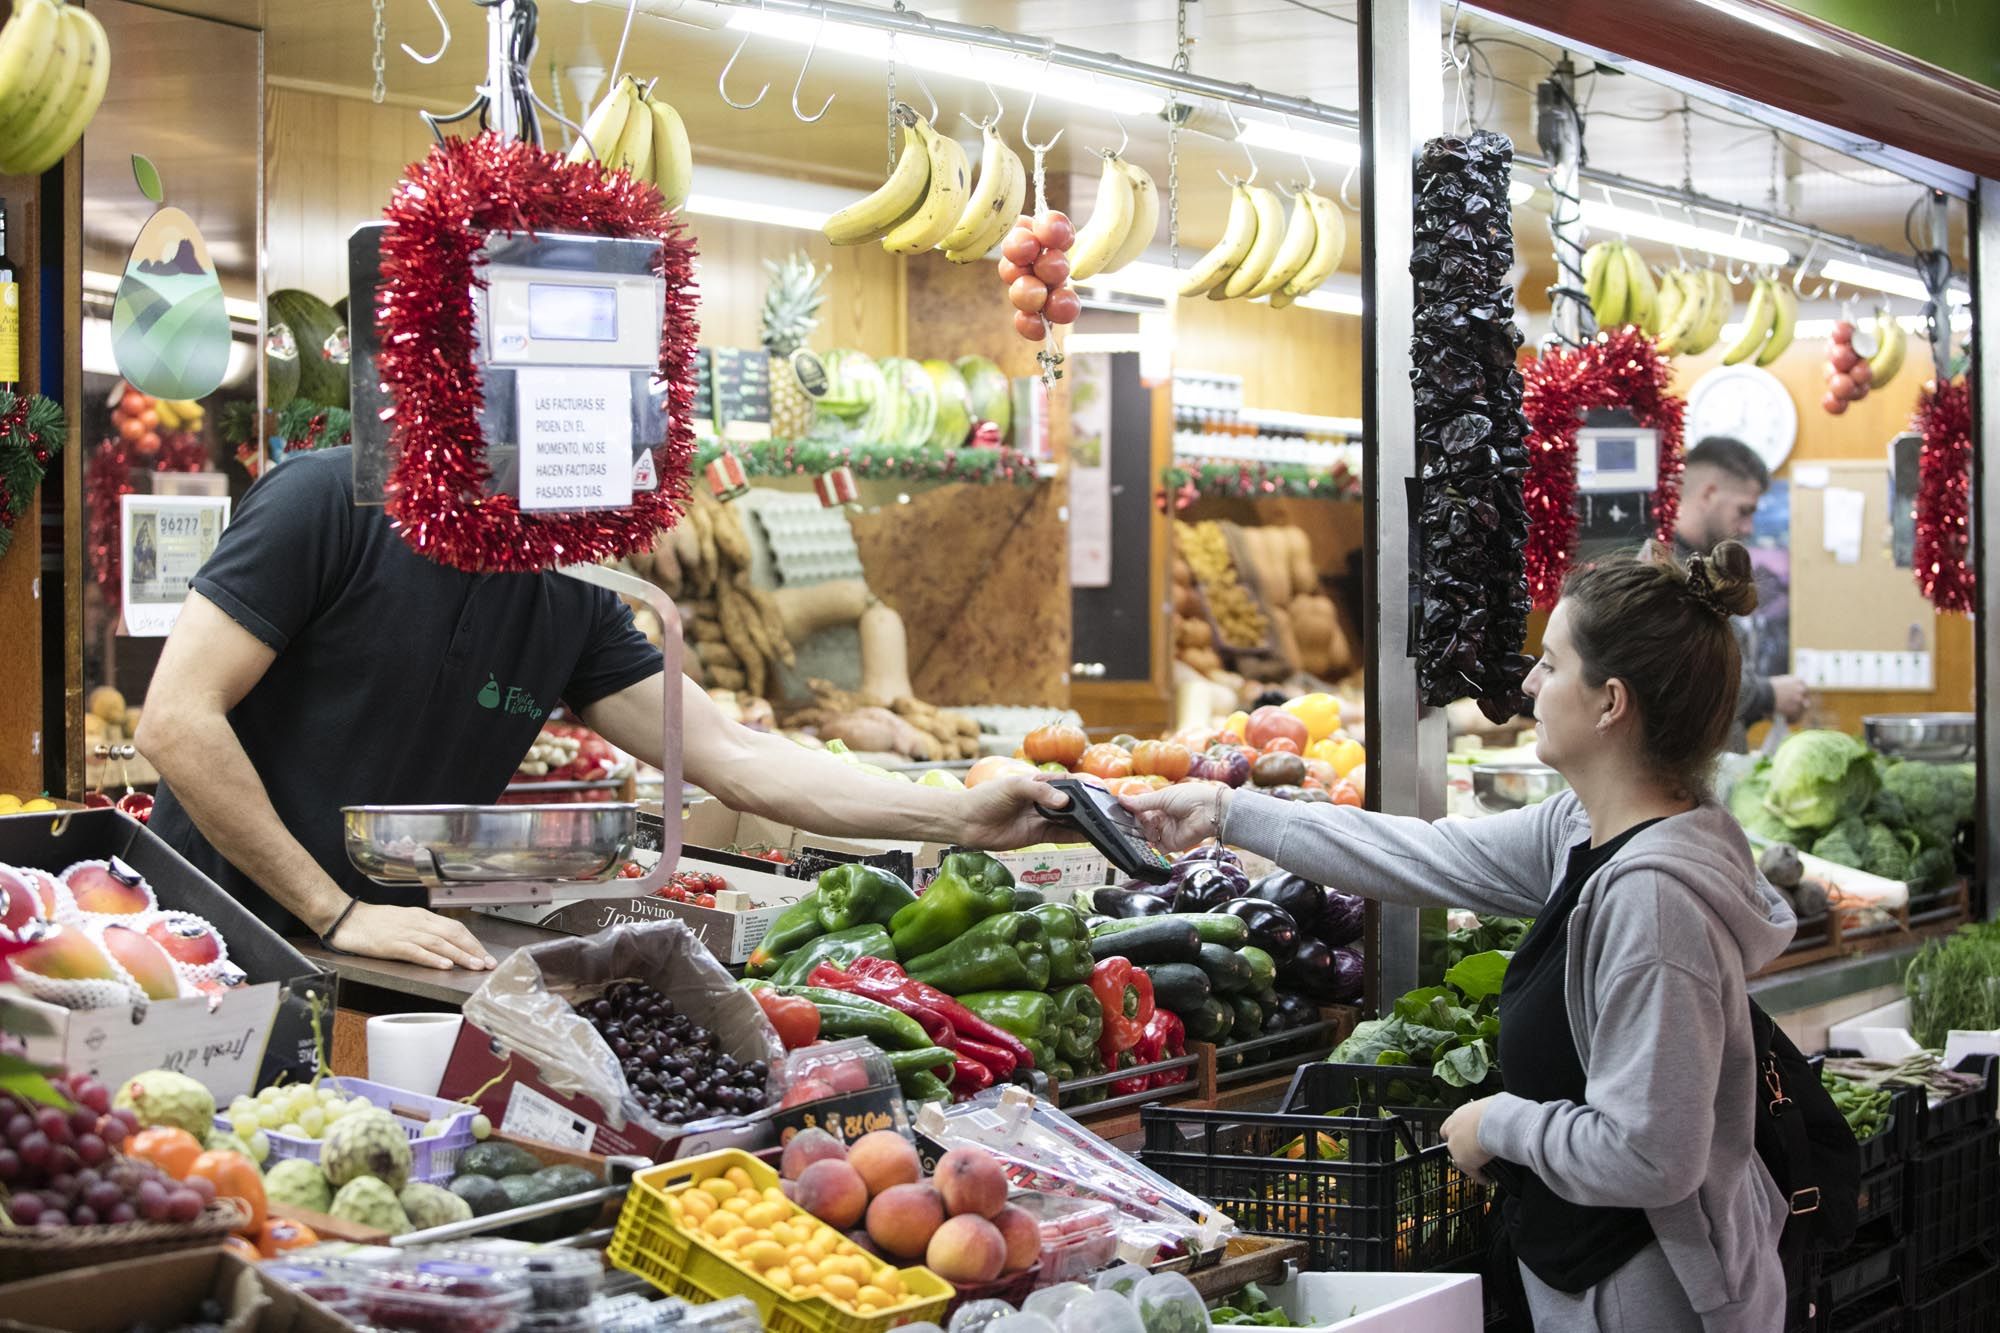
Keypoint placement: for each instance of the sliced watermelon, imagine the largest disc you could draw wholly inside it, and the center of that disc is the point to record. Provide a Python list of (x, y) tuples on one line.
[(991, 392), (954, 406)]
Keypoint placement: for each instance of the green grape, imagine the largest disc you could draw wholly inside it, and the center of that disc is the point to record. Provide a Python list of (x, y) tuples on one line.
[(312, 1120), (481, 1127)]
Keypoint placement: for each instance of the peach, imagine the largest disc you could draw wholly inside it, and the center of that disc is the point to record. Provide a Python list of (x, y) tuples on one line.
[(834, 1193), (885, 1159), (186, 939), (1023, 1234), (971, 1182), (19, 903), (966, 1249), (809, 1146), (903, 1218), (109, 890), (148, 963)]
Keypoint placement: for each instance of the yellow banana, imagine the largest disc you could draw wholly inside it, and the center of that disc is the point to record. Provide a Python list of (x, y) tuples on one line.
[(84, 96), (606, 125), (673, 156), (1642, 294), (895, 199), (944, 198), (27, 49), (1237, 237), (52, 90), (1270, 235), (1013, 194), (1101, 238), (989, 199), (170, 419), (1782, 324), (1757, 322), (1145, 216), (634, 153), (1689, 314), (1891, 344), (1301, 234), (1329, 243)]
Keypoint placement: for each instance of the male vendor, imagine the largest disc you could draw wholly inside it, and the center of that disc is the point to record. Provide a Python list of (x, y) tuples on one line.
[(319, 662)]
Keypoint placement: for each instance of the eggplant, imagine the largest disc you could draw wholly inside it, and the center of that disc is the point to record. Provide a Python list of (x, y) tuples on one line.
[(1203, 886), (1298, 1011), (1341, 918), (1214, 851), (1309, 969), (1303, 900), (1349, 975), (1121, 903), (1271, 926)]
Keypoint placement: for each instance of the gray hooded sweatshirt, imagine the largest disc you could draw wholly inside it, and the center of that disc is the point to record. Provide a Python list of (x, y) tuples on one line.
[(1659, 944)]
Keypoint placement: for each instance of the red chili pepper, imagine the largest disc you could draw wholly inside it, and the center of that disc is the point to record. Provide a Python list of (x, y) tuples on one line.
[(1126, 993), (878, 978), (796, 1020), (1002, 1063), (969, 1077), (935, 1025)]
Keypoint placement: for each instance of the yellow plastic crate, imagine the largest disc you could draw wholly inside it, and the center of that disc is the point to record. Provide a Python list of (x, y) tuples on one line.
[(648, 1244)]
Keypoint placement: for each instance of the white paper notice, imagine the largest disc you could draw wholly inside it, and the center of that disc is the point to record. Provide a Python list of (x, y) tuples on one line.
[(165, 540), (575, 430), (1841, 521)]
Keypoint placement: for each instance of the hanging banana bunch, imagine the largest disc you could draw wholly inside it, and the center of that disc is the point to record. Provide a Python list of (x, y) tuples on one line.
[(632, 132)]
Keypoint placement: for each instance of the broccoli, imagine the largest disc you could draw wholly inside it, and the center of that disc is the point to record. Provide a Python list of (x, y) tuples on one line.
[(1844, 844), (1875, 848), (1932, 865), (1931, 800)]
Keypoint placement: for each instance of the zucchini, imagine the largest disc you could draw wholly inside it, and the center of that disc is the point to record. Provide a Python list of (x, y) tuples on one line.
[(1160, 939), (1263, 967), (1227, 971), (1209, 1021), (1027, 899), (1213, 927), (1249, 1017), (1180, 988)]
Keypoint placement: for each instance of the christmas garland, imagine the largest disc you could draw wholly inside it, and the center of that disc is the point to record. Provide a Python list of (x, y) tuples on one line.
[(807, 458), (439, 218), (31, 435), (301, 424), (108, 475), (1222, 480), (1943, 533), (1622, 368)]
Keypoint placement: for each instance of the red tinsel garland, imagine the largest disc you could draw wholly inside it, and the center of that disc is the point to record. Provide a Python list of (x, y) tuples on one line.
[(1622, 368), (439, 216), (1943, 532), (107, 476)]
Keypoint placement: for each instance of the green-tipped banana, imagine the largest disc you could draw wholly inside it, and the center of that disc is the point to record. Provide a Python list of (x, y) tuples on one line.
[(944, 198), (606, 124), (1642, 294), (1301, 234), (1757, 322), (1683, 319), (1103, 236), (897, 198), (1783, 325), (1145, 216), (1237, 237), (1270, 235), (1672, 297), (1721, 302), (52, 91), (1329, 244), (27, 50), (988, 199), (673, 156)]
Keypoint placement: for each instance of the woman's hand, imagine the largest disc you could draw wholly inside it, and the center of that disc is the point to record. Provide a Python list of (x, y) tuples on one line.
[(1182, 816), (1461, 1135)]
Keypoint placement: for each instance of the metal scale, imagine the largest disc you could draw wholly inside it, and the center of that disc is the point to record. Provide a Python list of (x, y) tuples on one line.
[(559, 315)]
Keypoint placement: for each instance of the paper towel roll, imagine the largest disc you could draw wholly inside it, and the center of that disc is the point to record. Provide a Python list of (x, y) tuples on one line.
[(410, 1051)]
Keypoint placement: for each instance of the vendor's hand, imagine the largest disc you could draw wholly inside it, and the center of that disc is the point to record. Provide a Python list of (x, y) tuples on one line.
[(1000, 815), (1181, 816), (1461, 1135), (1790, 697), (409, 935)]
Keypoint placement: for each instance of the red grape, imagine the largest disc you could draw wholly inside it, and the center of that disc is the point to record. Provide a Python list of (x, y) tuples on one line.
[(10, 1166), (111, 1129), (91, 1150), (54, 1124), (130, 1117), (25, 1208), (183, 1205), (1063, 306), (92, 1094), (104, 1196), (34, 1148), (52, 1219), (1053, 229), (1030, 326), (1028, 294), (122, 1212), (19, 1126), (82, 1120), (151, 1199), (203, 1186), (63, 1160), (83, 1215)]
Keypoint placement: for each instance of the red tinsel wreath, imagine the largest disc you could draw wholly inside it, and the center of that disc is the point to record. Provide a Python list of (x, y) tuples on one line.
[(1622, 368), (1943, 533), (440, 215)]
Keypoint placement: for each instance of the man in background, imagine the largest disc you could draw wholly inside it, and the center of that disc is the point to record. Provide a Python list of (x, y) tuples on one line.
[(1720, 489)]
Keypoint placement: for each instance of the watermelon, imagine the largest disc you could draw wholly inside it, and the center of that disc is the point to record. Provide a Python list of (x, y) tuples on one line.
[(992, 393), (852, 384), (915, 404), (281, 365), (313, 323), (954, 410)]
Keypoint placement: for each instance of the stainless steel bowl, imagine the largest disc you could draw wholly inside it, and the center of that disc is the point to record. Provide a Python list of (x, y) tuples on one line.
[(1498, 788), (487, 844), (1937, 738)]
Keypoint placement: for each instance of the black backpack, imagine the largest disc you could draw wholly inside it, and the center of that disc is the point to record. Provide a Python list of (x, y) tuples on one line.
[(1810, 1152)]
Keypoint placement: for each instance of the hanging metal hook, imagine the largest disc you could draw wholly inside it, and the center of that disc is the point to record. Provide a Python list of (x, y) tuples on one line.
[(1124, 136), (1679, 258), (1312, 177), (999, 110), (444, 43), (816, 117), (1799, 273), (1729, 270), (1029, 115), (722, 80), (1352, 204), (624, 34), (1248, 156)]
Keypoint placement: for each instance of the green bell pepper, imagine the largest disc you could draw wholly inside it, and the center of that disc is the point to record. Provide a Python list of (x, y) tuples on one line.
[(1061, 1071), (1029, 1015), (1005, 952), (795, 926), (969, 887), (860, 895), (840, 947), (1043, 1051), (1070, 959), (1079, 1022)]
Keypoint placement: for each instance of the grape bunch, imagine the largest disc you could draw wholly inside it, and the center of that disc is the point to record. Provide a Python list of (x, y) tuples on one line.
[(1034, 263), (674, 1066), (307, 1111), (61, 1168)]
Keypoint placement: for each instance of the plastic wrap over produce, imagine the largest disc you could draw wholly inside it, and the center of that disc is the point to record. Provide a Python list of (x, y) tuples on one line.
[(526, 1004)]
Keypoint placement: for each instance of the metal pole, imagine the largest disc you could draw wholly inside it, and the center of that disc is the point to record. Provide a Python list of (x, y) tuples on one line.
[(501, 112), (1402, 101), (1559, 131), (1984, 377)]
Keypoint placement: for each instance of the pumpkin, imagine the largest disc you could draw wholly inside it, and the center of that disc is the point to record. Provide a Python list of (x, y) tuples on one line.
[(174, 1151), (235, 1177), (1058, 743), (1166, 759), (995, 766), (1106, 761), (279, 1234)]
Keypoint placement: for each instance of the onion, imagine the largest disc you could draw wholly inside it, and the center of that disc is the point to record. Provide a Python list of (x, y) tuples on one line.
[(1053, 268), (1053, 229), (1011, 272), (1021, 247)]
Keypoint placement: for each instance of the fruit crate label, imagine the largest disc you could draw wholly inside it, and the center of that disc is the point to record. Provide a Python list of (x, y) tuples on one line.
[(530, 1115), (575, 429)]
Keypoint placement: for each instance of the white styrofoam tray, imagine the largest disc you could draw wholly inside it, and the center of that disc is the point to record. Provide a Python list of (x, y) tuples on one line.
[(1382, 1302)]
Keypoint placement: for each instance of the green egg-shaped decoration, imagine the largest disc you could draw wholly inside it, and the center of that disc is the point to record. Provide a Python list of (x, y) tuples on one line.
[(169, 326)]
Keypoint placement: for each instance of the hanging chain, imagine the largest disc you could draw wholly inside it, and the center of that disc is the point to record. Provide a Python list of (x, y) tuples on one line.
[(1174, 138), (1777, 147), (381, 89), (892, 104), (1687, 145)]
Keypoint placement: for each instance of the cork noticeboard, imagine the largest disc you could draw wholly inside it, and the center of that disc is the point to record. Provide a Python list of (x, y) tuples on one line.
[(1861, 625)]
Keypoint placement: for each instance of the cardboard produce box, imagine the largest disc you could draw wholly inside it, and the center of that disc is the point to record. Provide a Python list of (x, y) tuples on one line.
[(235, 1045), (163, 1291)]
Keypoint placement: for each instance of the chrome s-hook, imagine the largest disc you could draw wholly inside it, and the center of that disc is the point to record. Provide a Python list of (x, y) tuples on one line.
[(444, 43), (799, 83), (999, 109), (1029, 115), (1124, 137), (1353, 205), (1729, 270), (1799, 273), (1679, 258), (722, 80), (1237, 127)]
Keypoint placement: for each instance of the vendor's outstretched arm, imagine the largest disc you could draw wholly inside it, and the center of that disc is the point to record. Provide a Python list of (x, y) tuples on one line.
[(762, 774)]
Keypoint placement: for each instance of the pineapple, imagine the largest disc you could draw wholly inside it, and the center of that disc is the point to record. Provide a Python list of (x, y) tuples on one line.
[(791, 313)]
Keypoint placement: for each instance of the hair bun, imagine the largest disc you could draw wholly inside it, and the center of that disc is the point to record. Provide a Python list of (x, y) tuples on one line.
[(1731, 579)]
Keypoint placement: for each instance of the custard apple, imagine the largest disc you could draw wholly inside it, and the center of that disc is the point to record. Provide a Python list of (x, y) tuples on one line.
[(221, 1140), (366, 1143), (366, 1201), (432, 1205), (298, 1183), (162, 1097)]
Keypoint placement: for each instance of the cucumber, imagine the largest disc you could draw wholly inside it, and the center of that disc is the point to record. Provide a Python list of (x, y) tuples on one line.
[(1180, 988), (1227, 970), (1263, 968), (1209, 1021), (1249, 1017), (1214, 927), (1160, 939)]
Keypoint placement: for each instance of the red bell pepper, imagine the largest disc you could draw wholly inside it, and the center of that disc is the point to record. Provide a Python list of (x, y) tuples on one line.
[(1125, 1087), (1126, 993), (875, 977), (935, 1025), (1169, 1035), (969, 1077)]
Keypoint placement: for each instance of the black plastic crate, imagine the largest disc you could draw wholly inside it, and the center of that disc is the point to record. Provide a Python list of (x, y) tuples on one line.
[(1879, 1201), (1964, 1298), (1880, 1313), (1860, 1272), (1967, 1112), (1952, 1199), (1898, 1137), (1374, 1191)]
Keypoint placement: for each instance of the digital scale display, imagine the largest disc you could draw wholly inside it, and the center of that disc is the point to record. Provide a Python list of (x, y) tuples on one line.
[(1616, 453), (568, 312)]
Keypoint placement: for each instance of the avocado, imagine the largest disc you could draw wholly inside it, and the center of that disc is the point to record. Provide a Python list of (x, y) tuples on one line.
[(498, 1160), (554, 1182), (482, 1193), (520, 1190)]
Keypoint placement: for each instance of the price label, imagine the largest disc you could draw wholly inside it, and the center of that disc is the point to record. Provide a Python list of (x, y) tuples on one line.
[(575, 429)]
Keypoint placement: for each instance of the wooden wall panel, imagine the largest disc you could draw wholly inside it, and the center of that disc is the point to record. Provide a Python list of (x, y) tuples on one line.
[(1291, 360), (21, 679)]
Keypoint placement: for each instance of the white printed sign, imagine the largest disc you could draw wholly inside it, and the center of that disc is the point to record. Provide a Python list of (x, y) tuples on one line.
[(164, 541), (575, 431), (530, 1115), (219, 1042)]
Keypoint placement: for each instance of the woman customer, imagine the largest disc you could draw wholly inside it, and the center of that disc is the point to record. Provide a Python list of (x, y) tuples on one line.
[(1625, 1041)]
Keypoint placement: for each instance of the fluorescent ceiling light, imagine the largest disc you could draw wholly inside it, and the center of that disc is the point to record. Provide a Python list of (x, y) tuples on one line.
[(1809, 329), (1342, 295), (1305, 143), (1884, 280), (746, 210), (235, 307), (1670, 231), (745, 196), (944, 57), (1336, 301)]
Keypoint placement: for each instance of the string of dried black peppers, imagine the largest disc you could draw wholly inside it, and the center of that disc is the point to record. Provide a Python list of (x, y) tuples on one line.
[(1472, 525)]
